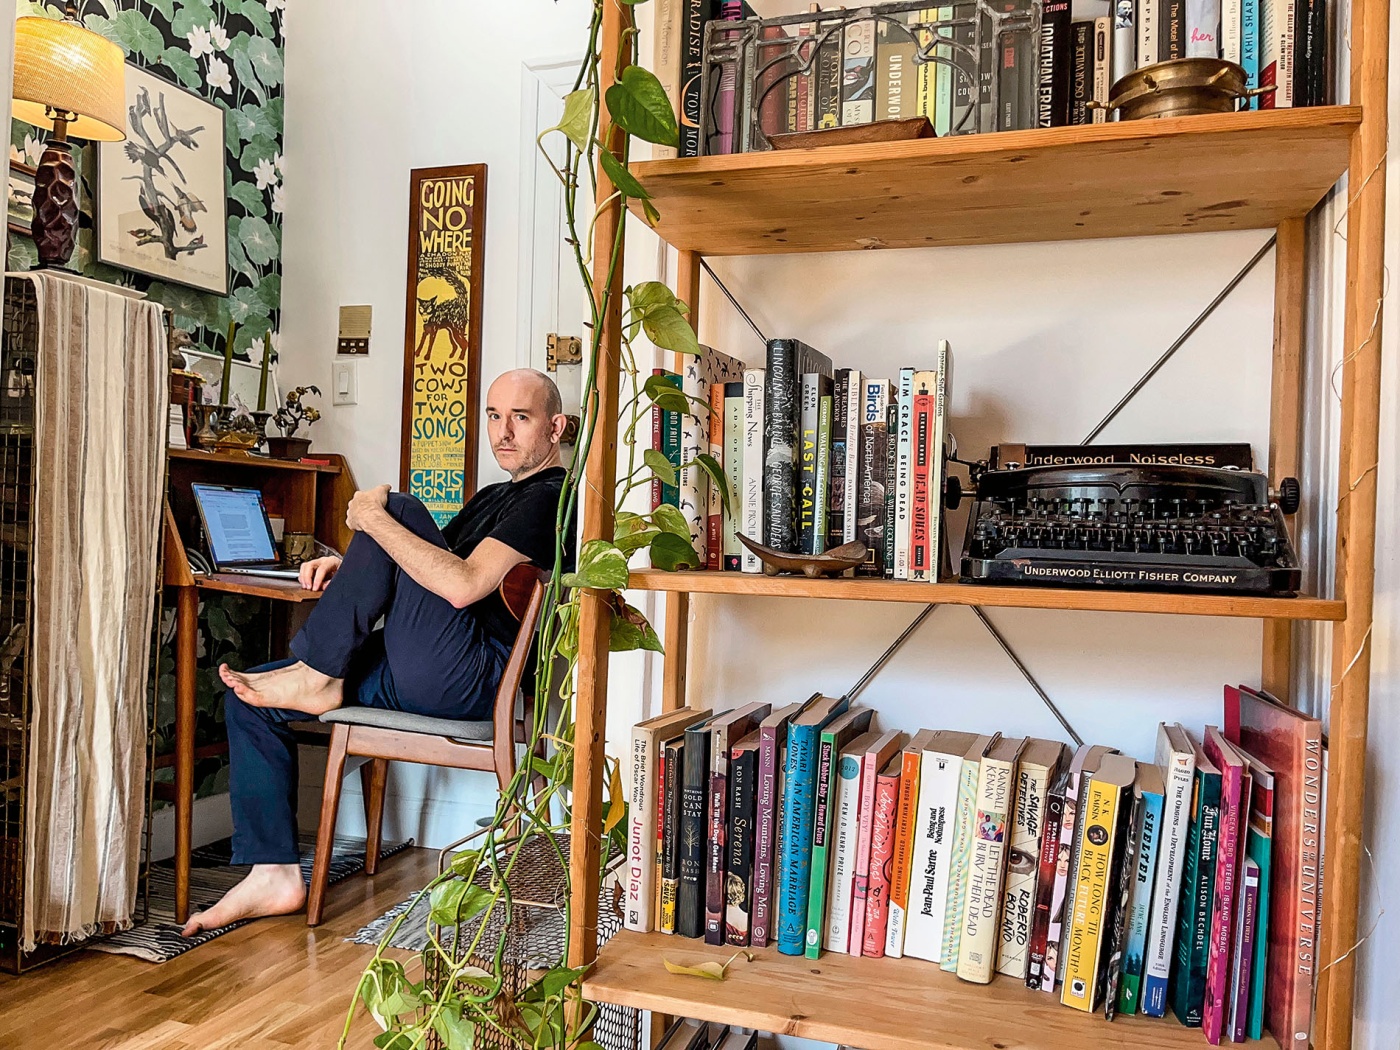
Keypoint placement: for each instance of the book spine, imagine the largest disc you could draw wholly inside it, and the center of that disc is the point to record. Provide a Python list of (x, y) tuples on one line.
[(821, 845), (823, 481), (1053, 73), (1103, 69), (796, 844), (659, 859), (829, 82), (1287, 55), (1140, 906), (938, 466), (1084, 938), (721, 139), (836, 458), (1012, 114), (807, 465), (858, 74), (1203, 29), (873, 448), (855, 394), (671, 446), (1062, 893), (734, 475), (939, 777), (904, 474), (668, 36), (1216, 1008), (882, 834), (1231, 31), (714, 501), (977, 948), (1193, 927), (765, 835), (670, 862), (1171, 40), (1124, 39), (716, 855), (1242, 970), (1166, 892), (752, 491), (1260, 851), (738, 886), (1272, 17), (906, 818), (860, 892), (1023, 861), (692, 60), (1148, 14), (943, 78), (694, 833), (846, 818), (1304, 894), (1040, 967), (919, 563), (1122, 872), (641, 827), (780, 426), (887, 532), (1249, 45), (925, 72), (957, 867), (657, 427), (695, 439)]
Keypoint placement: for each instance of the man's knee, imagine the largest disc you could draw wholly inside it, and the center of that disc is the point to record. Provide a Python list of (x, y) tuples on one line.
[(410, 512)]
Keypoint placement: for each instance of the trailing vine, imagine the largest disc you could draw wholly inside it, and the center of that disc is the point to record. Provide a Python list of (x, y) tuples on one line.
[(457, 993)]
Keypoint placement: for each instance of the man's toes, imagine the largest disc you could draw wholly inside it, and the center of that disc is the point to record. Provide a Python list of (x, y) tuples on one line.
[(194, 926)]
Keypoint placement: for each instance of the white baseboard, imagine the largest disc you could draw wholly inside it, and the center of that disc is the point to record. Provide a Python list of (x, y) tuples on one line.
[(212, 820)]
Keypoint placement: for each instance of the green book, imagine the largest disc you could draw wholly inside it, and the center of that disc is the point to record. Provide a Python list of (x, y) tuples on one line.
[(823, 493), (834, 738), (961, 854), (1259, 848), (1188, 977)]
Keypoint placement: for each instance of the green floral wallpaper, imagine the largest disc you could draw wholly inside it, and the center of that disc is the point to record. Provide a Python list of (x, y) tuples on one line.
[(229, 51)]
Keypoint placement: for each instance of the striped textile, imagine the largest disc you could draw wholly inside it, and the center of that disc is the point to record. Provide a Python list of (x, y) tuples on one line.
[(102, 402)]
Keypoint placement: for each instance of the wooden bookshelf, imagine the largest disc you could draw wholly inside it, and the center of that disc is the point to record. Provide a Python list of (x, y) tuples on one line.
[(872, 590), (248, 459), (875, 1004), (1235, 171)]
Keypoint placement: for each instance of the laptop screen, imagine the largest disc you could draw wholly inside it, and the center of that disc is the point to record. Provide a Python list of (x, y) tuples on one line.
[(236, 524)]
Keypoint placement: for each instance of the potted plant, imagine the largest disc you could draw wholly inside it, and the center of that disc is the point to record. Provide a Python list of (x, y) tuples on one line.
[(289, 418)]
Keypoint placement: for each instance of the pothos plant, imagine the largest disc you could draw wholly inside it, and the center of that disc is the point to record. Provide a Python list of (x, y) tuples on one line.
[(454, 994)]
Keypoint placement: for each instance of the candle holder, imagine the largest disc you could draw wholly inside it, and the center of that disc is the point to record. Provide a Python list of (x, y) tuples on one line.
[(236, 432), (207, 436), (260, 422)]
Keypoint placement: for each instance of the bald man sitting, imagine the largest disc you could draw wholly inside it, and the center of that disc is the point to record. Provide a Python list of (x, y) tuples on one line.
[(442, 647)]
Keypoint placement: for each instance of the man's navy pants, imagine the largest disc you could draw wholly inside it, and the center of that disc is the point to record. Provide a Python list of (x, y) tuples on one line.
[(427, 658)]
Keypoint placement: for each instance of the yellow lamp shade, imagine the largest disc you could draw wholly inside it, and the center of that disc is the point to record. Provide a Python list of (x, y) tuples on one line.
[(61, 65)]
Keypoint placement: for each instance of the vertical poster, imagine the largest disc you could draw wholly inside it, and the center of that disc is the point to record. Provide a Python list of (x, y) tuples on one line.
[(442, 336)]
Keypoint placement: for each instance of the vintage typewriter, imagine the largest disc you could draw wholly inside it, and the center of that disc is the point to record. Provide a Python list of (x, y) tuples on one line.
[(1132, 526)]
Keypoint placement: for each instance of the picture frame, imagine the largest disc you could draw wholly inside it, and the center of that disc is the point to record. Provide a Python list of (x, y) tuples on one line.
[(244, 377), (161, 201), (19, 205), (442, 336)]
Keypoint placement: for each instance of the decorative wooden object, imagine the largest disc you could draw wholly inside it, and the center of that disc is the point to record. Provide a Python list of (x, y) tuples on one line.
[(831, 563), (55, 225), (856, 134)]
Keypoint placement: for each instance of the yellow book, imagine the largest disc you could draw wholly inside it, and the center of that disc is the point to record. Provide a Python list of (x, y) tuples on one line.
[(1098, 833)]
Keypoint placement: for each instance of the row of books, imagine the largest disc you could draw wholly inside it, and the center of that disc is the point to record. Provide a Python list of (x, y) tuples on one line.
[(1189, 882), (814, 457), (686, 1033), (836, 70)]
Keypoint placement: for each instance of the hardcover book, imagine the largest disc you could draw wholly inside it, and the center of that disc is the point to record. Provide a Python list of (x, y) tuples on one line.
[(815, 387), (874, 447), (858, 74), (1043, 955), (903, 475), (1052, 87), (751, 485), (836, 486), (1203, 29), (887, 534), (714, 498), (788, 360), (961, 853), (666, 434), (694, 830), (896, 95), (1081, 770), (924, 502), (845, 836), (877, 757), (799, 804), (938, 467), (1234, 788), (772, 749), (1259, 849), (1171, 35), (940, 776), (668, 38), (1081, 85), (738, 877), (726, 730), (701, 372), (734, 473), (1242, 970), (674, 763), (877, 901), (1188, 983), (1150, 788), (1177, 759), (906, 822), (996, 797), (855, 400), (1039, 765), (1121, 872), (823, 486), (696, 13), (834, 738), (1148, 14)]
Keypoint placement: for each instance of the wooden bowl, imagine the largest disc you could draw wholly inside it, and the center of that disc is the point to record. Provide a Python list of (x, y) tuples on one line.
[(832, 563), (856, 134)]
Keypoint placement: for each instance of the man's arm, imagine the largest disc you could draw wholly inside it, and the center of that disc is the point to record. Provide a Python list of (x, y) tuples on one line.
[(458, 582)]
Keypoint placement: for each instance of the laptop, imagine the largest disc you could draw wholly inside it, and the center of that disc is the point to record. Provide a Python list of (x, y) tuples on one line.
[(239, 534)]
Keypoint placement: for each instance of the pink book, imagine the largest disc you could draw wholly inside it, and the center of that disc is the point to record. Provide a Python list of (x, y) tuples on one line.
[(875, 759), (1216, 1011), (882, 836)]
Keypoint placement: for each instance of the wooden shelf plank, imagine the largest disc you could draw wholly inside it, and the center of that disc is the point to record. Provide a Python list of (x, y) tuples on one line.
[(257, 587), (1232, 171), (990, 596), (248, 459), (876, 1004)]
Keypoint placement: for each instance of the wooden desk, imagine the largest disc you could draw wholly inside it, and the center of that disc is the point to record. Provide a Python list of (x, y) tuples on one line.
[(309, 498)]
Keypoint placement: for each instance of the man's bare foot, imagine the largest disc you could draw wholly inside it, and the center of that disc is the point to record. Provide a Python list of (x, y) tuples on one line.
[(269, 889), (293, 688)]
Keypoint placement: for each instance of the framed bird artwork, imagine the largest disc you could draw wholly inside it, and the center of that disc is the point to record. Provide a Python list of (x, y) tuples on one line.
[(161, 204)]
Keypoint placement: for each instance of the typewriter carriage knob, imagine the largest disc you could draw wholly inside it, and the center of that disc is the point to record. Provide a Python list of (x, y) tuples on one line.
[(1289, 496), (952, 492)]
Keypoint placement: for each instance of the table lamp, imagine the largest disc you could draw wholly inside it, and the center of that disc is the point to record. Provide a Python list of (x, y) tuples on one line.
[(71, 77)]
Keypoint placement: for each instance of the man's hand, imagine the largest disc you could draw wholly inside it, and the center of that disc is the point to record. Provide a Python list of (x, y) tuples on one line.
[(364, 506), (317, 572)]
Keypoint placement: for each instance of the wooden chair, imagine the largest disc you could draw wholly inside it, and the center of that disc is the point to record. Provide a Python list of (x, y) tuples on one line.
[(382, 736)]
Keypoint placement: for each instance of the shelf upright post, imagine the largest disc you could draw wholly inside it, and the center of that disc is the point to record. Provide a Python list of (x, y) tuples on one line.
[(1356, 524), (1285, 417), (598, 491)]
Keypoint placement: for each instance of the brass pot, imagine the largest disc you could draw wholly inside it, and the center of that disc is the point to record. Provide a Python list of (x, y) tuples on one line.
[(1180, 87)]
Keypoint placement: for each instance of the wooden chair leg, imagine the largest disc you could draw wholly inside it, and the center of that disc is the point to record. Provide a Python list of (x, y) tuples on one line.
[(325, 830), (374, 774)]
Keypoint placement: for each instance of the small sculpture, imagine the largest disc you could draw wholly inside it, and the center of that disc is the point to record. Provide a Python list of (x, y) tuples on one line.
[(832, 563)]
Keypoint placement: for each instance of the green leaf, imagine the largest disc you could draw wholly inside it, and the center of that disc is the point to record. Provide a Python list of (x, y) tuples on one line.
[(266, 60), (251, 121), (256, 12), (639, 105), (455, 1031), (190, 14), (660, 466), (466, 863), (243, 70), (577, 120), (237, 258), (165, 7), (394, 1041), (258, 241), (621, 178), (456, 901), (132, 32), (245, 304), (635, 541), (186, 304), (668, 329), (651, 294), (259, 149), (185, 68), (670, 553), (711, 466), (273, 110), (669, 518), (601, 566), (551, 983), (270, 291), (663, 394), (23, 254), (248, 195), (629, 631)]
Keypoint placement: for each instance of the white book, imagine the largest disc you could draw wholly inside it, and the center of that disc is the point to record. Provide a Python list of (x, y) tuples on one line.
[(939, 472), (1124, 39), (1276, 24), (1232, 31), (751, 470), (1103, 63), (1147, 12), (940, 772), (1040, 762), (1177, 760), (841, 886), (693, 490), (986, 871), (854, 388), (1203, 28), (904, 474)]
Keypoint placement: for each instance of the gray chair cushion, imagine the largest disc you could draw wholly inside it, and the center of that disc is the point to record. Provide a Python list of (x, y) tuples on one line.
[(474, 732)]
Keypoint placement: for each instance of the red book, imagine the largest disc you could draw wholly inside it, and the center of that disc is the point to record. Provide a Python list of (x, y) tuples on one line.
[(1291, 744), (873, 763), (1216, 1009), (882, 836), (714, 531)]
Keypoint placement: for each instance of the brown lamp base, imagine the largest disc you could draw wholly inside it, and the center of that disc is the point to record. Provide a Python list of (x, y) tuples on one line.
[(55, 225)]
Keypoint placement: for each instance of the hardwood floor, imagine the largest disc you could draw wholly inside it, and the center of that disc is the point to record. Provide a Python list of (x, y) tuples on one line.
[(273, 984)]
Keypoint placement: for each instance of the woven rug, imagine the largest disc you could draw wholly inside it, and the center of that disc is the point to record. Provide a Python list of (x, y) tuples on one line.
[(157, 938)]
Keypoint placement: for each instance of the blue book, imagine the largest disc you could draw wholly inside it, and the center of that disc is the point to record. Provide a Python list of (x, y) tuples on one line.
[(799, 813), (1151, 788), (1249, 49)]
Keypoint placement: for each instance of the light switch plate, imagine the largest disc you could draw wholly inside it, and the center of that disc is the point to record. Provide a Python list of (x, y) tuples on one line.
[(345, 383)]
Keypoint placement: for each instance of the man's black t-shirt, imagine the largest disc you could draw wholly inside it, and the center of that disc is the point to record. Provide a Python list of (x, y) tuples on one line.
[(520, 514)]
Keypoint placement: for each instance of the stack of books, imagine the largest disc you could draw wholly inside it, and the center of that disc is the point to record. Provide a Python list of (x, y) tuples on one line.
[(813, 457), (1188, 883)]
